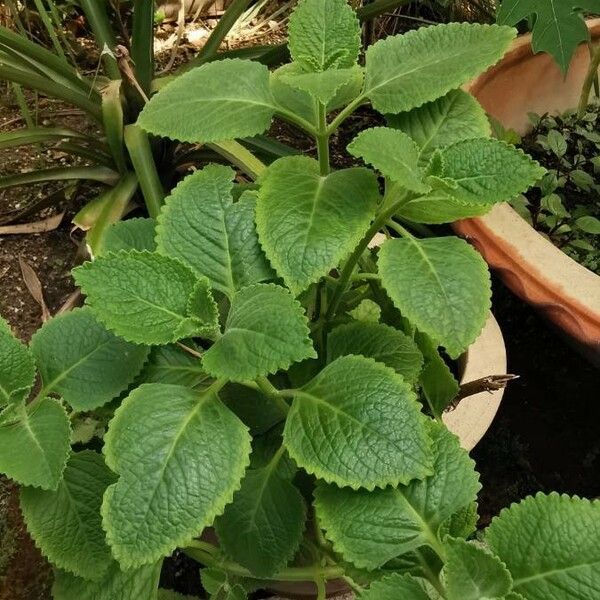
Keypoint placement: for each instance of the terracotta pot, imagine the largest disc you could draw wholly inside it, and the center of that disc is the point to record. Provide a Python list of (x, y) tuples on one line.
[(530, 265)]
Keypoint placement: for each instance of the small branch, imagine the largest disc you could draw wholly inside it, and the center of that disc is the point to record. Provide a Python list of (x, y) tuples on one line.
[(190, 350), (491, 383)]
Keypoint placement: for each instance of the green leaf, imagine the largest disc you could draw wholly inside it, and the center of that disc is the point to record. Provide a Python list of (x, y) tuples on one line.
[(442, 285), (262, 528), (557, 143), (180, 455), (17, 368), (324, 35), (134, 584), (171, 595), (588, 224), (487, 171), (400, 587), (66, 523), (35, 446), (307, 223), (322, 86), (452, 118), (550, 546), (438, 207), (266, 330), (462, 523), (358, 424), (201, 226), (83, 362), (367, 311), (145, 297), (258, 412), (370, 528), (393, 153), (380, 342), (558, 27), (471, 572), (133, 234), (405, 71), (172, 364), (218, 101)]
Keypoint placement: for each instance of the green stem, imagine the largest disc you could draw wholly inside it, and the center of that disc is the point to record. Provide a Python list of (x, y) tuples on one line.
[(269, 390), (294, 119), (321, 588), (589, 82), (344, 114), (322, 139)]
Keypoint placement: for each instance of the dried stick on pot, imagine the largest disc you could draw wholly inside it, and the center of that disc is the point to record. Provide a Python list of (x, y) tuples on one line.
[(490, 384)]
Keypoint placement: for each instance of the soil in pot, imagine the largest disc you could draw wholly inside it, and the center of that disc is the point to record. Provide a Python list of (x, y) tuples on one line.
[(565, 205)]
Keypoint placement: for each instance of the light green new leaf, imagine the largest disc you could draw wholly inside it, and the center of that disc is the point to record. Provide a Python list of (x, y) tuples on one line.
[(370, 528), (550, 546), (559, 27), (201, 226), (34, 447), (133, 234), (405, 71), (262, 528), (367, 311), (145, 297), (307, 223), (487, 171), (471, 572), (462, 523), (400, 587), (66, 523), (452, 118), (83, 362), (393, 153), (322, 86), (380, 342), (135, 584), (441, 285), (218, 101), (358, 424), (172, 364), (324, 35), (17, 368), (266, 330), (180, 455)]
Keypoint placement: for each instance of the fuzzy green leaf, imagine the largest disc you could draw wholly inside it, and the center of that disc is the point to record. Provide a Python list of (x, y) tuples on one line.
[(324, 35), (400, 587), (367, 311), (201, 226), (370, 528), (17, 368), (471, 572), (34, 446), (135, 584), (358, 424), (550, 546), (322, 86), (462, 523), (442, 285), (262, 528), (218, 101), (133, 234), (180, 455), (66, 523), (172, 364), (393, 153), (266, 330), (145, 297), (558, 27), (380, 342), (307, 223), (83, 362), (452, 118), (405, 71)]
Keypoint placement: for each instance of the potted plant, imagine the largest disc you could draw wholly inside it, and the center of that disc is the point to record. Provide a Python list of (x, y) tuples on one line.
[(526, 82), (268, 377)]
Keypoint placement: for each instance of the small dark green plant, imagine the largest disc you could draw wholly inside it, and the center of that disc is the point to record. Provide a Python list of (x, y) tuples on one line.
[(273, 379)]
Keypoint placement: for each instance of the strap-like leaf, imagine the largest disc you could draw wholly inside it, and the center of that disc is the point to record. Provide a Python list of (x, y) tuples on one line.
[(83, 362), (550, 546), (370, 528), (17, 368), (405, 71), (442, 285), (218, 101), (266, 330), (307, 223), (146, 298), (66, 523), (201, 226), (358, 424), (180, 455)]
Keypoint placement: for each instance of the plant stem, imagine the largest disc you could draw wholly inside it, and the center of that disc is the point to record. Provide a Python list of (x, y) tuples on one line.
[(590, 78), (269, 390), (322, 139), (321, 589), (344, 114)]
